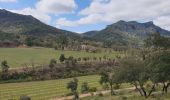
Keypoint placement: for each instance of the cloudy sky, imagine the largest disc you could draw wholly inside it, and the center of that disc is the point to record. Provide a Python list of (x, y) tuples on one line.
[(85, 15)]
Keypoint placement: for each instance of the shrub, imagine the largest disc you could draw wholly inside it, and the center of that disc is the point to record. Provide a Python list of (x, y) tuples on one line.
[(93, 89), (84, 87), (124, 98), (117, 86), (24, 97), (105, 86), (100, 94)]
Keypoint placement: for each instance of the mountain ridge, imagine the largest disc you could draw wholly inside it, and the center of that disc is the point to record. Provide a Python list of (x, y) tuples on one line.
[(127, 32)]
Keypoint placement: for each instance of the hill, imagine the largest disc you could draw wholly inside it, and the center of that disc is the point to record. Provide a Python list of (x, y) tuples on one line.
[(125, 33), (26, 28)]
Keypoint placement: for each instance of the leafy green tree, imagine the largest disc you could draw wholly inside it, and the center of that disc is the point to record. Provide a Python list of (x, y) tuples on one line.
[(5, 69), (157, 41), (159, 63), (107, 78), (29, 41), (107, 44), (62, 58), (132, 70), (73, 85), (53, 63), (63, 41)]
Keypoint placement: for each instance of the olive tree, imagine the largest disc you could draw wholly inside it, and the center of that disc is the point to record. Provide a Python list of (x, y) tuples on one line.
[(159, 63), (72, 85), (107, 78), (132, 70), (5, 69)]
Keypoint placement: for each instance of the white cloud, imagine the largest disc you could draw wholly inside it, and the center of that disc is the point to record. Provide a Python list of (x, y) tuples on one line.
[(56, 6), (39, 15), (163, 21), (43, 8), (94, 18), (113, 10), (8, 1)]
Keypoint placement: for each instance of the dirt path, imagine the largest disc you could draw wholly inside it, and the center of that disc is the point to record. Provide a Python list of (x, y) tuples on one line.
[(89, 94)]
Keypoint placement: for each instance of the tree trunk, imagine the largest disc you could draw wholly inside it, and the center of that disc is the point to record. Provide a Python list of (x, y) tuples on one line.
[(112, 92), (144, 92), (152, 89), (166, 88), (136, 86), (163, 89)]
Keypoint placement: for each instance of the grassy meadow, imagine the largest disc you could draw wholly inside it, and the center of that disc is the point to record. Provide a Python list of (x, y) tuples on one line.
[(17, 57)]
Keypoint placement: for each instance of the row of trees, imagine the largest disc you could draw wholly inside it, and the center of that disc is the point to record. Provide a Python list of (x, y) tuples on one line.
[(68, 68)]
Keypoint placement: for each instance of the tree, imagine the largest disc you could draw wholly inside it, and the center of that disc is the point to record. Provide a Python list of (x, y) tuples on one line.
[(29, 41), (132, 70), (5, 69), (157, 41), (62, 58), (159, 63), (159, 60), (53, 63), (107, 78), (72, 85), (63, 41)]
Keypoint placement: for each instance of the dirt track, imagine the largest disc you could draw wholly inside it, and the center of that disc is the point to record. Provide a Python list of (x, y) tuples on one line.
[(90, 94)]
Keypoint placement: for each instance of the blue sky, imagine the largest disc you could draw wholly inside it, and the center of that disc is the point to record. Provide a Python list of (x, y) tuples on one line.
[(87, 15)]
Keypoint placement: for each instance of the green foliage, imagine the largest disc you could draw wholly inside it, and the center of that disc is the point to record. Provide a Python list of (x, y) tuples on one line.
[(157, 41), (62, 58), (24, 98), (72, 85), (107, 78), (4, 66), (84, 87), (92, 89), (53, 63)]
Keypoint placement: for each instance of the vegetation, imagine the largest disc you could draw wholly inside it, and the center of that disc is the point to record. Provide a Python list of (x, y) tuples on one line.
[(42, 56), (73, 85), (147, 69), (43, 90)]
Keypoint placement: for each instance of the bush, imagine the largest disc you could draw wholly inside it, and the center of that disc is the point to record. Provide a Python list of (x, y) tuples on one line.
[(105, 87), (100, 94), (69, 94), (24, 98), (117, 86), (124, 98), (84, 87), (93, 89)]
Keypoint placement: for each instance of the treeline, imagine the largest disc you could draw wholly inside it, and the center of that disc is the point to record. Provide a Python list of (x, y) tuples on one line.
[(68, 67)]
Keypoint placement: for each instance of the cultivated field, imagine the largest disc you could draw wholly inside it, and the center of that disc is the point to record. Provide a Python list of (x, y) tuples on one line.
[(43, 90), (18, 57)]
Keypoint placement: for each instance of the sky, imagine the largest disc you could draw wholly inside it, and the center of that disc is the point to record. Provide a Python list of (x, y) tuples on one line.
[(87, 15)]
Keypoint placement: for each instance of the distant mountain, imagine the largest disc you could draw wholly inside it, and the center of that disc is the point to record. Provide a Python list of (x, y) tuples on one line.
[(26, 27), (124, 33)]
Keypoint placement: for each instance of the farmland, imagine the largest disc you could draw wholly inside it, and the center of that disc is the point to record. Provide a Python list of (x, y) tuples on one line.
[(43, 90), (42, 55)]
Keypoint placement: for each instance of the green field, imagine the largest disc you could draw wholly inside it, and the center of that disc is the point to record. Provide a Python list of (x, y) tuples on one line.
[(18, 57), (43, 90)]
